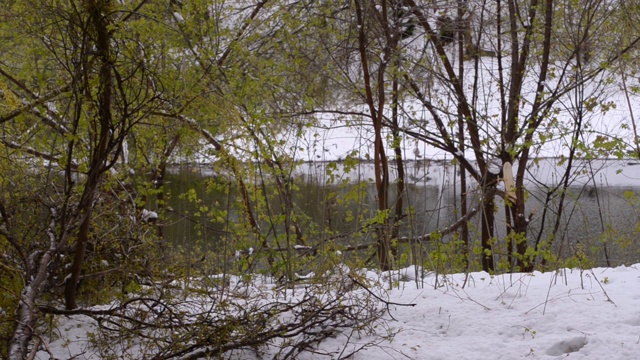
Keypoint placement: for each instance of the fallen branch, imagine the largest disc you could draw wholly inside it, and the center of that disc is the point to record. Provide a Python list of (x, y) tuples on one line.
[(448, 230), (312, 250), (376, 296)]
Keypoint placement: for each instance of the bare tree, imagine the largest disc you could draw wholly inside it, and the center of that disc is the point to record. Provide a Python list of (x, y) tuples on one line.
[(529, 79)]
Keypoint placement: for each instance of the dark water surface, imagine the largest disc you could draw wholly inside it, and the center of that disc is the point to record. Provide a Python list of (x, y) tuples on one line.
[(600, 214)]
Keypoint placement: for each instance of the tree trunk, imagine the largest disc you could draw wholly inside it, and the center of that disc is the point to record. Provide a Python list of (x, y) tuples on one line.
[(464, 37), (399, 205), (488, 221), (27, 312), (97, 11), (381, 167)]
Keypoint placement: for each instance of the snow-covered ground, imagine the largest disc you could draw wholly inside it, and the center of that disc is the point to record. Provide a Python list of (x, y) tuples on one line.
[(566, 314)]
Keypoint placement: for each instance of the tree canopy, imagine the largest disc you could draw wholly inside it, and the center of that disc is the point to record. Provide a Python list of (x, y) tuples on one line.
[(99, 98)]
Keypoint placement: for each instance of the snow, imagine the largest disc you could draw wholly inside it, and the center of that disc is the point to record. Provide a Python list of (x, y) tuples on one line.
[(494, 168), (568, 314), (148, 215), (335, 137), (178, 17), (309, 276)]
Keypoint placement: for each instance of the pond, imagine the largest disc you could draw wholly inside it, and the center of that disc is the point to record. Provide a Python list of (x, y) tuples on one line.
[(600, 214)]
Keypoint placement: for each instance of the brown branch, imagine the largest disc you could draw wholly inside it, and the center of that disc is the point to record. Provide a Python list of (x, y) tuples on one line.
[(41, 100), (241, 31), (134, 11), (446, 231), (425, 238), (34, 152), (386, 302), (446, 137), (453, 79)]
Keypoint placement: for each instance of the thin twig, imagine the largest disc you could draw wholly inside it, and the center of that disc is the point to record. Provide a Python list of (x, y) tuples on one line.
[(603, 290), (376, 296)]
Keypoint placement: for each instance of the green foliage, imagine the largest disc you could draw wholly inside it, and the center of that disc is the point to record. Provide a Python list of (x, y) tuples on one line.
[(607, 146), (579, 260), (447, 255)]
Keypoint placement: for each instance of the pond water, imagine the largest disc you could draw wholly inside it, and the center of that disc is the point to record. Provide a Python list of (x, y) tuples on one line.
[(601, 211)]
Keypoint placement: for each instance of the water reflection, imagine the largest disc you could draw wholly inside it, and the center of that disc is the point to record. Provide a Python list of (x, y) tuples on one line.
[(598, 215)]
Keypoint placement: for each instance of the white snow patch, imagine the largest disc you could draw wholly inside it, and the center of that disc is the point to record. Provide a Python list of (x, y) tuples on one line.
[(178, 17), (148, 215), (566, 313)]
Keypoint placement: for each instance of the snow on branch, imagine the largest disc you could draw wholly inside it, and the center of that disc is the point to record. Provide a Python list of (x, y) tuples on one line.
[(28, 106)]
